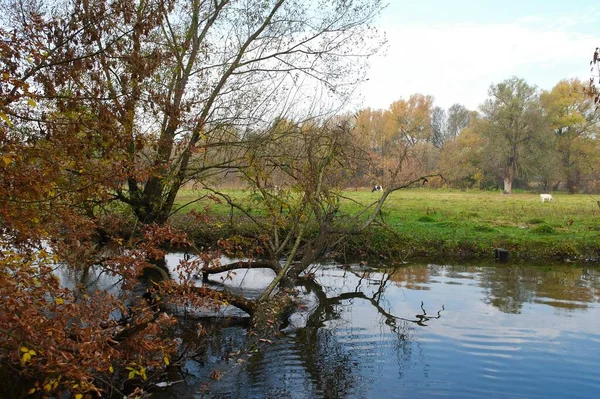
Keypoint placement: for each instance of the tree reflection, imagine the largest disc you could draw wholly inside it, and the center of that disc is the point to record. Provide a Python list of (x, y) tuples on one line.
[(412, 278), (328, 361), (562, 287)]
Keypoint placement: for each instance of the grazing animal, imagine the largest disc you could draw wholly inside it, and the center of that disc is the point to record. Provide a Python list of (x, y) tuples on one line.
[(377, 188), (546, 197)]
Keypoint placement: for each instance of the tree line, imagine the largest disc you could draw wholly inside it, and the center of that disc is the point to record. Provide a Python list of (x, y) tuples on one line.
[(520, 136)]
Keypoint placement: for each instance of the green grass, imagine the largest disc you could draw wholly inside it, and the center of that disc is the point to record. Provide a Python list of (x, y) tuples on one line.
[(452, 223)]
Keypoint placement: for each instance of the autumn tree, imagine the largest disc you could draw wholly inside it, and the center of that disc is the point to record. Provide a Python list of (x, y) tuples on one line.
[(372, 136), (399, 138), (458, 118), (164, 75), (575, 125), (410, 120), (111, 101), (516, 132), (462, 159), (58, 339)]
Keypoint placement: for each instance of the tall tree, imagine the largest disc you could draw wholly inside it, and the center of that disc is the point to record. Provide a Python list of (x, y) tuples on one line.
[(109, 100), (439, 127), (517, 131), (410, 120), (459, 118), (574, 122), (164, 76), (396, 135), (372, 136), (462, 160)]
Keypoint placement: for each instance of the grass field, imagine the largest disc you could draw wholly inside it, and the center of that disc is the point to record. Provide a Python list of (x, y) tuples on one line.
[(451, 223)]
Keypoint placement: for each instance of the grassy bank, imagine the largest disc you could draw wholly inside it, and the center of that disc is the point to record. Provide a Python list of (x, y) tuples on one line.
[(455, 224)]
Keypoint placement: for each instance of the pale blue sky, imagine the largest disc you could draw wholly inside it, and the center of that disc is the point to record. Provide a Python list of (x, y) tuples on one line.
[(455, 49)]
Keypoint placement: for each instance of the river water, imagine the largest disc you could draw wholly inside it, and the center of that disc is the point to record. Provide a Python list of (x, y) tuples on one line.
[(425, 331)]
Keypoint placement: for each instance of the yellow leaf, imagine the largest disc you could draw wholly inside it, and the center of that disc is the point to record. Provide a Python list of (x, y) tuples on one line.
[(31, 102), (26, 357), (5, 118), (78, 396), (111, 369), (32, 352), (24, 349), (59, 301), (131, 375), (166, 359), (48, 387), (31, 391), (7, 160)]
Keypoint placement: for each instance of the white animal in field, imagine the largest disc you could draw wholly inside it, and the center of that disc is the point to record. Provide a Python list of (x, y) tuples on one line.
[(546, 197), (377, 188)]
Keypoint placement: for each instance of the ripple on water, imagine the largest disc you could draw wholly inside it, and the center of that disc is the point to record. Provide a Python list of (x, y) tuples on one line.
[(507, 332)]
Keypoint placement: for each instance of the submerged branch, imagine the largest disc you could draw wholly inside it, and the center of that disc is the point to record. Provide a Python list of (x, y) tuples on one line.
[(239, 301), (249, 264)]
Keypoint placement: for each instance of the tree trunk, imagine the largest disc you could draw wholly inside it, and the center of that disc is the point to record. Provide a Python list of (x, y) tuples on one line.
[(149, 205), (572, 180), (508, 185)]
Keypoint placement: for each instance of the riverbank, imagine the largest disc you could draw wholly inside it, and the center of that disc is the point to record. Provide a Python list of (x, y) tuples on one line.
[(442, 224)]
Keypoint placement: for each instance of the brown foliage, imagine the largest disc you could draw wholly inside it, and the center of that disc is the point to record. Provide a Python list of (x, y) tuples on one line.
[(105, 103)]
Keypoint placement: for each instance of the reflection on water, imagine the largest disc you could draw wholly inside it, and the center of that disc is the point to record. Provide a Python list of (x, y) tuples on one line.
[(423, 331)]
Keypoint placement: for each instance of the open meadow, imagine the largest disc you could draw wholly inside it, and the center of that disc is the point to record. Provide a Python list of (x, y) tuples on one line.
[(456, 224)]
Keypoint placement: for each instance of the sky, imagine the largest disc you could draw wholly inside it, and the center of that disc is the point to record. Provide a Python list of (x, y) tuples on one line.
[(455, 49)]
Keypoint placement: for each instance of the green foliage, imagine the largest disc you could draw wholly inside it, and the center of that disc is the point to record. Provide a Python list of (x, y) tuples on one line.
[(517, 136), (426, 219)]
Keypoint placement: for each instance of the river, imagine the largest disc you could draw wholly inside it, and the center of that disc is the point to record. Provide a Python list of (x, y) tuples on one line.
[(510, 331)]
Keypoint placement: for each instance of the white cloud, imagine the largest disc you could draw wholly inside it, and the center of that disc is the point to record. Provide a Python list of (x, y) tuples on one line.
[(458, 62)]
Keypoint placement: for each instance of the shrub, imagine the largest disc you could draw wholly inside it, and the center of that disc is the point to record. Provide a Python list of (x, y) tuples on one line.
[(543, 229)]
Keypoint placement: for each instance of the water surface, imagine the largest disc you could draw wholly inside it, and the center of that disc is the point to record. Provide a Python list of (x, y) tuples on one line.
[(419, 331)]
